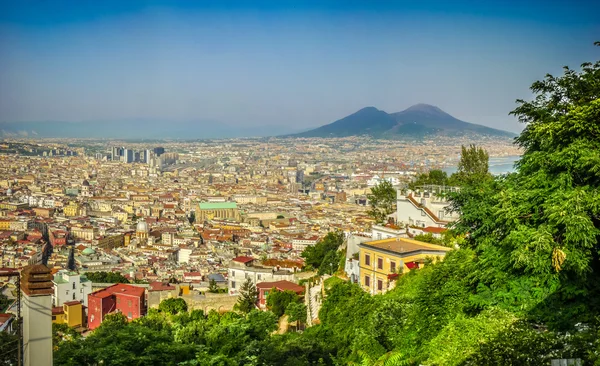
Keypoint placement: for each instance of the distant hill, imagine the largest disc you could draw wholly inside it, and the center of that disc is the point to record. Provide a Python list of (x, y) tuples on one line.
[(138, 129), (417, 121)]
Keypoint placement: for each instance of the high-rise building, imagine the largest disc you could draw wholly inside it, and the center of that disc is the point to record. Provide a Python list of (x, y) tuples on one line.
[(128, 156), (159, 150)]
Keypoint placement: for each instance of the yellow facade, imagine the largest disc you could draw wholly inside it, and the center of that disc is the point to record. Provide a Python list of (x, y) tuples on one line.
[(4, 224), (71, 210), (71, 315), (381, 259)]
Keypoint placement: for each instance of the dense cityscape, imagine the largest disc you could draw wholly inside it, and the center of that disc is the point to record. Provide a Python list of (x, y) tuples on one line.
[(291, 183)]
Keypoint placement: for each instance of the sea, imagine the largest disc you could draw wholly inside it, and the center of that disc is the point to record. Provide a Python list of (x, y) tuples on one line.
[(498, 165)]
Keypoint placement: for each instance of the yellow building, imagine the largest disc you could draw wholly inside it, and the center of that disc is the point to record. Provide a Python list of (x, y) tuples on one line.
[(381, 261), (71, 314), (73, 209)]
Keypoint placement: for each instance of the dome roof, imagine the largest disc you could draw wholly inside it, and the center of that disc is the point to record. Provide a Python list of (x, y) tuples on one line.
[(88, 251), (142, 226), (85, 183)]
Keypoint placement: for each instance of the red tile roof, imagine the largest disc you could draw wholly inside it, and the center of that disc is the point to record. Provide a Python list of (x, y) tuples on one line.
[(282, 285), (433, 229), (243, 259), (119, 289)]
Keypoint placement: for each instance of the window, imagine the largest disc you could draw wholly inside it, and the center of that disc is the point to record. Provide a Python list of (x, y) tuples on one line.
[(53, 317), (73, 296), (378, 236), (232, 273), (129, 315), (232, 284), (73, 285), (393, 267), (367, 260), (379, 263), (367, 281), (441, 214), (67, 292), (259, 276), (380, 285)]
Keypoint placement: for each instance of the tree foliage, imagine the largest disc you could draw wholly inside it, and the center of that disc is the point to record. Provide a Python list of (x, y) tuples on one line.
[(248, 297), (322, 254), (433, 177), (473, 166), (173, 305), (382, 200), (212, 286), (278, 301), (106, 277)]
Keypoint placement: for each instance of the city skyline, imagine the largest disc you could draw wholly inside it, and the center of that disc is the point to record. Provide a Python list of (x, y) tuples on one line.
[(288, 65)]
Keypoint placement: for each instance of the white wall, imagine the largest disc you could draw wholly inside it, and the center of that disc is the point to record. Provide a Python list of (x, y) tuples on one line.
[(37, 330)]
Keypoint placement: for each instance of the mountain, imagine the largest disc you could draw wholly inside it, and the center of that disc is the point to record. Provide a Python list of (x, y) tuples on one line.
[(367, 121), (416, 121)]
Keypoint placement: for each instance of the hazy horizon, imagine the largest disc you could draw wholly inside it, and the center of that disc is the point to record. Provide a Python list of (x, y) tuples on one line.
[(292, 65)]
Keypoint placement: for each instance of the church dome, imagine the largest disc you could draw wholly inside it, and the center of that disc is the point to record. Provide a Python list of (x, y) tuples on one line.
[(85, 183), (142, 227), (88, 251)]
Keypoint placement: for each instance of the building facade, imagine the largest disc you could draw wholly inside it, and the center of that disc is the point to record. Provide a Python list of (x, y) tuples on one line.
[(217, 210), (382, 261), (70, 286), (126, 299)]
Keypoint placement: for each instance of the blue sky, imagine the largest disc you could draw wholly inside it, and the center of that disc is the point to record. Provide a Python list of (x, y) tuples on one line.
[(298, 64)]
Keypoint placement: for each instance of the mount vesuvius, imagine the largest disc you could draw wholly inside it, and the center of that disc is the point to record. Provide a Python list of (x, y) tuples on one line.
[(420, 120)]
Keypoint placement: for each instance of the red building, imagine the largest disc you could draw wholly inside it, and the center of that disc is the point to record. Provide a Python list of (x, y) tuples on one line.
[(126, 299), (264, 288)]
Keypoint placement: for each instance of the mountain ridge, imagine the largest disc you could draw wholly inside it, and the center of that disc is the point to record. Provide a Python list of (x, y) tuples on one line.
[(418, 120)]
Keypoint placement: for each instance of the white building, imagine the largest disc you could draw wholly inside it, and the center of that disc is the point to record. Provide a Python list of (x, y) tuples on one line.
[(183, 256), (242, 268), (301, 243), (70, 286), (379, 232), (423, 209)]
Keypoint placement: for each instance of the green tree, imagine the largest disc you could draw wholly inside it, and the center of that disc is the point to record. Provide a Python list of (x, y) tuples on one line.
[(212, 286), (248, 297), (277, 301), (428, 238), (106, 277), (433, 177), (296, 311), (330, 263), (314, 255), (8, 348), (382, 200), (174, 305), (473, 166)]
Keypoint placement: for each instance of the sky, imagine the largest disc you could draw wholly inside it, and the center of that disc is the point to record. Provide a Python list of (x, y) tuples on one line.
[(282, 63)]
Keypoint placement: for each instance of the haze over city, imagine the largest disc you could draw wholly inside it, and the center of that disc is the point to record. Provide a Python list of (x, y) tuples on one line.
[(292, 66)]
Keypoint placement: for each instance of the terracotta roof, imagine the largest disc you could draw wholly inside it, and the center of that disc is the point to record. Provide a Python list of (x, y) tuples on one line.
[(71, 303), (119, 289), (404, 246), (243, 259), (282, 285), (433, 229)]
